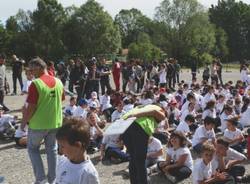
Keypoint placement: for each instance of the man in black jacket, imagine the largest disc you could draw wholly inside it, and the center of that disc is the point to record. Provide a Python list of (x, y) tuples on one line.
[(17, 68)]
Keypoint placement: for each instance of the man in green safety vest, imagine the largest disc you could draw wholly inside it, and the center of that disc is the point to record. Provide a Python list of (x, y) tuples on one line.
[(43, 114)]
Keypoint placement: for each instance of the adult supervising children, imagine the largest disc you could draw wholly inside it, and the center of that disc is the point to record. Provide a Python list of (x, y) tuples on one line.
[(136, 139), (44, 116)]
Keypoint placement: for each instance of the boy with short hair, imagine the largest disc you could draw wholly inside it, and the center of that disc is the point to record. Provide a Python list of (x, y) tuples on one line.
[(204, 133), (203, 168), (75, 166), (71, 107)]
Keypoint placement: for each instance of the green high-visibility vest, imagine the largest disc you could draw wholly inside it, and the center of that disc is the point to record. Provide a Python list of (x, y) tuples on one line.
[(48, 114), (147, 123)]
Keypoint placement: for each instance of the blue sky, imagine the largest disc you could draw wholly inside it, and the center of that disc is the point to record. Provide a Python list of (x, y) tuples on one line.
[(10, 7)]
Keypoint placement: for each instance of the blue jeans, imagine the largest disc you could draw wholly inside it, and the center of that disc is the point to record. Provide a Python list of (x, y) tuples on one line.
[(35, 138)]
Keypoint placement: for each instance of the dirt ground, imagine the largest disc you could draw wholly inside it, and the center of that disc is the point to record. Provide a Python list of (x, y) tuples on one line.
[(15, 166)]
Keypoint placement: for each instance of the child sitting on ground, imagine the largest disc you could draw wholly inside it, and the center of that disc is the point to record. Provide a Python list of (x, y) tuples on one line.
[(118, 113), (204, 133), (21, 136), (96, 132), (75, 166), (81, 110), (179, 163), (203, 168), (154, 152), (112, 149), (234, 135), (70, 109)]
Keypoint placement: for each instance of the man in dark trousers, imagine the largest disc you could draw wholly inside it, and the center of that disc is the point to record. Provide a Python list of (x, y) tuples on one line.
[(2, 80), (17, 68), (104, 76)]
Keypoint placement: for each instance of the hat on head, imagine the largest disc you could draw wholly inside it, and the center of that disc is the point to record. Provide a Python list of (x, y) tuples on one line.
[(82, 101), (93, 105), (94, 94)]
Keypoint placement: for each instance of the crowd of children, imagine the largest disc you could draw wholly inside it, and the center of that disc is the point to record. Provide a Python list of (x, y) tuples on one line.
[(203, 120)]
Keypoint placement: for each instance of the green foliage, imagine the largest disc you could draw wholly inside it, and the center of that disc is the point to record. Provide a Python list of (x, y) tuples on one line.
[(233, 18), (91, 31), (144, 49), (131, 23)]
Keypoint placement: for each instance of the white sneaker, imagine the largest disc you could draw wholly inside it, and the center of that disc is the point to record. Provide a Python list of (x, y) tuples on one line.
[(170, 178)]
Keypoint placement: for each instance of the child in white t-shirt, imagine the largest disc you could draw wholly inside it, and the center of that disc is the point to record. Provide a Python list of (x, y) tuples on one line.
[(75, 166), (112, 148), (96, 132), (118, 113), (154, 152), (70, 109), (204, 133), (203, 168), (21, 136), (234, 135), (187, 127), (106, 107), (81, 110), (179, 163)]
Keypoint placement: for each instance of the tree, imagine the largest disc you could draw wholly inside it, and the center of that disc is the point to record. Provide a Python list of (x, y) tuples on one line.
[(233, 18), (91, 31), (47, 22), (3, 39), (144, 49), (176, 15), (131, 23)]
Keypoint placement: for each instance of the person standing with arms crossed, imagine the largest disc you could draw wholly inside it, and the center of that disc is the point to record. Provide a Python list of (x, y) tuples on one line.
[(44, 116)]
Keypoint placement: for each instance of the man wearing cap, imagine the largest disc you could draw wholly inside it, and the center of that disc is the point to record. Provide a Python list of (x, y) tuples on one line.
[(44, 114)]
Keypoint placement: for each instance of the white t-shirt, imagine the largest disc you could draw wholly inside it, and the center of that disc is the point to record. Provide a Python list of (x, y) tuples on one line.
[(128, 107), (209, 113), (20, 133), (105, 102), (69, 173), (201, 171), (147, 101), (80, 112), (162, 76), (223, 120), (233, 135), (185, 113), (183, 127), (26, 86), (69, 110), (110, 141), (208, 97), (202, 132), (117, 115), (176, 154), (154, 146), (219, 107), (230, 155)]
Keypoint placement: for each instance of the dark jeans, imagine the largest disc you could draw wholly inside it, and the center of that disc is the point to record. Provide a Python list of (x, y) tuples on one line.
[(237, 170), (108, 112), (71, 86), (15, 77), (220, 78), (136, 141), (92, 85), (116, 153), (239, 147), (105, 83), (180, 173), (124, 85), (177, 77)]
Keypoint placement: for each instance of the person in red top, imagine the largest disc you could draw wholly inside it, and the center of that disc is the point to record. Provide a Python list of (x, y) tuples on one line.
[(116, 74), (34, 109), (51, 68)]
